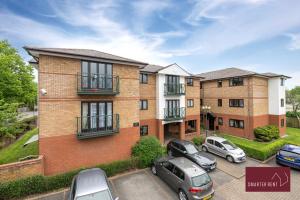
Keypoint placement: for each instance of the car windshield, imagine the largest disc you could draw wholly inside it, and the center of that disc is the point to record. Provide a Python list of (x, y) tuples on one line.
[(103, 195), (289, 154), (191, 149), (228, 145), (201, 180)]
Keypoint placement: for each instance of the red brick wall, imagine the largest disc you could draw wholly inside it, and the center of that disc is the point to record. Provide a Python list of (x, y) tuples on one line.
[(276, 120), (16, 170)]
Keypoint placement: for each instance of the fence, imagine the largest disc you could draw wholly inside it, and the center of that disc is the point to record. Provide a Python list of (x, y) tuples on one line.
[(292, 122)]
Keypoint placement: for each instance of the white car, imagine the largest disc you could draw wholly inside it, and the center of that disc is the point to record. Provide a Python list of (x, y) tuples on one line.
[(224, 148)]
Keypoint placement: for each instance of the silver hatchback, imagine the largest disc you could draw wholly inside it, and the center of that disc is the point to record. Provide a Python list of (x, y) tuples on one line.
[(185, 177), (222, 147), (91, 184)]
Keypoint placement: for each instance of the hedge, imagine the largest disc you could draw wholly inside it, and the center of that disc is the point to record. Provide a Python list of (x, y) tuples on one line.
[(266, 133), (199, 140), (40, 184), (261, 154), (147, 150)]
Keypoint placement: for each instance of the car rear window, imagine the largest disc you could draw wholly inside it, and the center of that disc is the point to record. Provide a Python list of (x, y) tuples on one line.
[(289, 154), (201, 180), (103, 195)]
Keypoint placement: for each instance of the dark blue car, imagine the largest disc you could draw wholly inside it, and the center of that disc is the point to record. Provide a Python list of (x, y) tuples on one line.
[(289, 155)]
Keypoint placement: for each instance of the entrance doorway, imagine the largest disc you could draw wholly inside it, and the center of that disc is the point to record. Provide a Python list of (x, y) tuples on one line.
[(171, 131)]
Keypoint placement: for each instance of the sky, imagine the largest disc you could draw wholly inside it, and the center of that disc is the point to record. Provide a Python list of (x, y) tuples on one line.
[(198, 35)]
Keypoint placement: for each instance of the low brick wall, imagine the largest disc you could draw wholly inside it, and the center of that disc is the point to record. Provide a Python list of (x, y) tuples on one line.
[(22, 169)]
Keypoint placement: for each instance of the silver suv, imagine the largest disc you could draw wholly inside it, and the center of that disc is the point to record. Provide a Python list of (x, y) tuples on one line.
[(224, 148), (91, 184), (185, 177)]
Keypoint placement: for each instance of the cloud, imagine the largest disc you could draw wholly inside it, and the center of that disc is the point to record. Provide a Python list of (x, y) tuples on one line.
[(295, 41)]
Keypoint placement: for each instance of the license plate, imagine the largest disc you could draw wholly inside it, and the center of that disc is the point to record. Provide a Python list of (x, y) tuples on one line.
[(207, 197), (289, 159)]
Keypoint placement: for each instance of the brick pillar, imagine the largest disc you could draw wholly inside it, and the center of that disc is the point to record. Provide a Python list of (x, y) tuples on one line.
[(160, 131), (182, 130), (198, 126)]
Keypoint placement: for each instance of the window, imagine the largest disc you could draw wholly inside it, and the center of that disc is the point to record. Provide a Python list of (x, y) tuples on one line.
[(179, 173), (210, 141), (144, 104), (219, 83), (282, 122), (236, 103), (201, 85), (144, 78), (96, 75), (189, 82), (201, 102), (96, 116), (144, 130), (236, 81), (282, 102), (168, 166), (236, 123), (190, 126), (218, 144), (220, 121), (190, 103), (282, 81), (219, 102)]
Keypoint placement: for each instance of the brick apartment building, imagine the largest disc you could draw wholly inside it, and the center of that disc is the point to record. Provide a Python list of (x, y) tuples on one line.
[(93, 106), (242, 100)]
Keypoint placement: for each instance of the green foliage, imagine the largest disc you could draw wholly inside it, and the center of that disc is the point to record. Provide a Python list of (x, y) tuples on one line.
[(292, 114), (147, 150), (39, 184), (293, 97), (15, 151), (16, 78), (266, 133), (8, 119), (199, 140)]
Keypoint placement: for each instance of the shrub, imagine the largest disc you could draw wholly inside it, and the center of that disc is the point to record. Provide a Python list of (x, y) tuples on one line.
[(292, 114), (266, 133), (147, 150), (261, 154), (199, 140), (39, 184)]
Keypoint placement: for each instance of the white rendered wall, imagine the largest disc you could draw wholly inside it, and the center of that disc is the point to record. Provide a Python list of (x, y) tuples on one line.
[(276, 92)]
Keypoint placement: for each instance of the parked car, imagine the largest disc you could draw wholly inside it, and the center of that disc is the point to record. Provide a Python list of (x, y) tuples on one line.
[(222, 147), (185, 177), (91, 184), (190, 151), (289, 155)]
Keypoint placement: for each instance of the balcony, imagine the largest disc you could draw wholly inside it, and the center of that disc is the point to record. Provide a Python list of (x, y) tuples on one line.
[(97, 126), (97, 84), (174, 89), (174, 114)]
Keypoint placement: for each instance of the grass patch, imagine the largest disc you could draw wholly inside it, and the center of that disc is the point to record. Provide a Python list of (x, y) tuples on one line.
[(15, 151), (293, 136)]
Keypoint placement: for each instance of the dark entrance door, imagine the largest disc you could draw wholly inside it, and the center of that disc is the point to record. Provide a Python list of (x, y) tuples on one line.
[(211, 121)]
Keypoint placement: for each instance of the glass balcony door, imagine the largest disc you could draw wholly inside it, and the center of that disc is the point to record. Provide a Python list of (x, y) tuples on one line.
[(172, 83), (173, 108)]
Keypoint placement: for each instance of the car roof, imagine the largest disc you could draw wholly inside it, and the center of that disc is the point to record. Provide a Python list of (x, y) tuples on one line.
[(187, 166), (183, 142), (90, 181), (219, 139), (291, 148)]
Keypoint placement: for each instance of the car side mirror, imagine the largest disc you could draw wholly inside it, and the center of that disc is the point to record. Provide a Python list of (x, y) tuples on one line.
[(223, 148), (185, 152)]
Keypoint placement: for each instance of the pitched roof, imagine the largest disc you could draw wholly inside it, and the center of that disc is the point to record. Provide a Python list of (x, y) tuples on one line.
[(84, 52), (152, 68), (235, 72)]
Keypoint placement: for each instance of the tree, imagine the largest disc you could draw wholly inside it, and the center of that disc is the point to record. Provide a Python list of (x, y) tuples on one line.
[(16, 77), (9, 127), (293, 97)]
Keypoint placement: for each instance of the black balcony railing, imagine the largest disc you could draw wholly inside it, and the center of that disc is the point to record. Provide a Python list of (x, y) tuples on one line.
[(174, 89), (97, 84), (174, 113), (97, 126)]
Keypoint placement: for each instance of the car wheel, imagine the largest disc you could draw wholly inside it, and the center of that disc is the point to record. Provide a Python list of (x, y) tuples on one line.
[(204, 148), (153, 169), (170, 153), (182, 195), (230, 159)]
